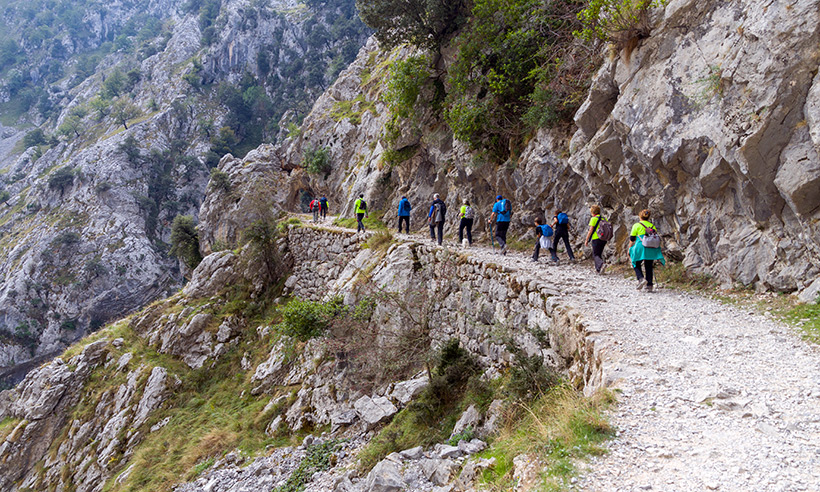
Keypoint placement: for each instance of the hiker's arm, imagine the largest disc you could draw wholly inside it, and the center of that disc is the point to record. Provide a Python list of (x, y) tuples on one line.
[(589, 235)]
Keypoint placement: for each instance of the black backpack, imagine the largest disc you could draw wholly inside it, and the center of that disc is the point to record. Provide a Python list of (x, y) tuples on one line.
[(323, 202), (507, 209)]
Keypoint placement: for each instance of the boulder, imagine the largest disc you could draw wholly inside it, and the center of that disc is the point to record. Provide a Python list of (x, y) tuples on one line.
[(385, 477), (374, 410)]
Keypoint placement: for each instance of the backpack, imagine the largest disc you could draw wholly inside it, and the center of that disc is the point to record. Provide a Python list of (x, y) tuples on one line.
[(363, 204), (314, 204), (323, 202), (651, 239), (604, 229), (563, 219), (469, 213), (506, 209), (438, 216), (546, 230)]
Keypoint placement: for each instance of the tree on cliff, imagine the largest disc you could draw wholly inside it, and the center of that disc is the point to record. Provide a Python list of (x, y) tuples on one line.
[(423, 23), (122, 111), (185, 240)]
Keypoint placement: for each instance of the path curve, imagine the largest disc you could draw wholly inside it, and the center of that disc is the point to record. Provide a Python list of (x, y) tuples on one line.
[(711, 396)]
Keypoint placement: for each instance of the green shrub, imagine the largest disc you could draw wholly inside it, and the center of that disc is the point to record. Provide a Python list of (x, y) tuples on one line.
[(518, 67), (304, 320), (220, 180), (61, 179), (317, 160), (529, 377), (318, 458), (617, 21), (185, 240)]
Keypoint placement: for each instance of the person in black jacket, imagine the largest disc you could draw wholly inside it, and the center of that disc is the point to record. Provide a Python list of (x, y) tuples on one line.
[(561, 225), (436, 218)]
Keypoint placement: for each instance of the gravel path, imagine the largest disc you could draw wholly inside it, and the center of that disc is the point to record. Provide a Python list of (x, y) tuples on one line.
[(711, 396)]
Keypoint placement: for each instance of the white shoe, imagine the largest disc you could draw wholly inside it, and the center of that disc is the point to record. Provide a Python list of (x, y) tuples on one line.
[(641, 283)]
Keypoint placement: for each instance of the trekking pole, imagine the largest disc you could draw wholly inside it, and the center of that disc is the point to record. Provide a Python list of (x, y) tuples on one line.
[(492, 235)]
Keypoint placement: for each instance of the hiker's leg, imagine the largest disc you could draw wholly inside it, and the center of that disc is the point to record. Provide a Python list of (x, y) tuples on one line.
[(501, 232), (650, 267), (638, 272), (359, 223), (469, 224), (433, 231), (569, 248), (537, 249), (598, 253), (461, 224), (440, 227)]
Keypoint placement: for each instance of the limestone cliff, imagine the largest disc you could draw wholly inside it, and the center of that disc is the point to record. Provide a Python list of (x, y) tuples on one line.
[(710, 124), (85, 226)]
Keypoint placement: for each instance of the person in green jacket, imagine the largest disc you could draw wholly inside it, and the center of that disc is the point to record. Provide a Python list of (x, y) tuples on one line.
[(361, 212), (641, 255)]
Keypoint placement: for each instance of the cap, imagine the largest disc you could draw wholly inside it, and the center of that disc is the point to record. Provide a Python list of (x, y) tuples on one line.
[(498, 197)]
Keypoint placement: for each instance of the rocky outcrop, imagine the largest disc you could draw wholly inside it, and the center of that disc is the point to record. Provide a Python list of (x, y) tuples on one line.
[(713, 128), (90, 248)]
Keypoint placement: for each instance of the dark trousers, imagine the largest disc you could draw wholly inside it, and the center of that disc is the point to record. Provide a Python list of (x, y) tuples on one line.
[(537, 249), (559, 234), (437, 226), (465, 224), (323, 211), (648, 266), (598, 253), (359, 223), (501, 233), (406, 220), (316, 215)]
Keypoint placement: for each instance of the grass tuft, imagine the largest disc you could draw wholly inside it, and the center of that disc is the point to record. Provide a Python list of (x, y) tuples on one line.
[(559, 428)]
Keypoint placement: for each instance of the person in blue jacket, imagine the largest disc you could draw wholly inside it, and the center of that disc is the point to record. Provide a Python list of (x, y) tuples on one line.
[(404, 213), (560, 222), (502, 212), (641, 255)]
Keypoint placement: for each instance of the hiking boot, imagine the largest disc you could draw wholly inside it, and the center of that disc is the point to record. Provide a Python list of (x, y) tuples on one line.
[(602, 270), (555, 261), (641, 283), (649, 288), (504, 250), (534, 260)]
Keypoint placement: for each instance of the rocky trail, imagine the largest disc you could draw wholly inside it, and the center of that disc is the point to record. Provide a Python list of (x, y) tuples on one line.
[(710, 396)]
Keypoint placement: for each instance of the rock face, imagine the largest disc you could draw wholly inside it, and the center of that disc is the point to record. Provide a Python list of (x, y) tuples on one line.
[(715, 130), (708, 127), (85, 250)]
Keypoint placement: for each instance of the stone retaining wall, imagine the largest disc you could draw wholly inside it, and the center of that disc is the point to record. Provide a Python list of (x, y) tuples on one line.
[(480, 302)]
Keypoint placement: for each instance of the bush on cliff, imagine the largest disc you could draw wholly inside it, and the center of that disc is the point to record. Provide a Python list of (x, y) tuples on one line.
[(185, 241)]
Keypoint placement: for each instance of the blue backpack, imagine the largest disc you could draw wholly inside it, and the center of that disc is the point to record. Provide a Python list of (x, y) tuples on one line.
[(563, 219), (546, 230)]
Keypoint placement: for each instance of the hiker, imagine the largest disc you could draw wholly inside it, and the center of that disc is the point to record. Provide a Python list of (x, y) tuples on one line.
[(323, 206), (314, 207), (502, 212), (644, 248), (561, 225), (543, 237), (466, 214), (404, 213), (600, 231), (436, 218), (361, 212)]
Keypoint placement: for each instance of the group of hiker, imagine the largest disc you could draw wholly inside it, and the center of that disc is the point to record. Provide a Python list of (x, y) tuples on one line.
[(644, 245), (644, 239), (319, 206)]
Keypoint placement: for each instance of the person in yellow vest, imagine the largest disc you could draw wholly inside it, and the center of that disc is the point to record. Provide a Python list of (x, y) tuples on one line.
[(642, 250), (361, 212), (466, 214), (596, 234)]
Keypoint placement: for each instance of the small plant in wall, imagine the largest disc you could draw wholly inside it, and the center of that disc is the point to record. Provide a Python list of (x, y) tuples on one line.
[(621, 22)]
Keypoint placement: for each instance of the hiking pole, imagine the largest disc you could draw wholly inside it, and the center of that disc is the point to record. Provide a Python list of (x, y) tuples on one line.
[(492, 235)]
